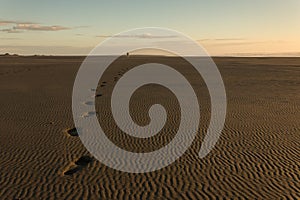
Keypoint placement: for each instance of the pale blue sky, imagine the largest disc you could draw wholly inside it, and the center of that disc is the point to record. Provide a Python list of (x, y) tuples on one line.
[(223, 27)]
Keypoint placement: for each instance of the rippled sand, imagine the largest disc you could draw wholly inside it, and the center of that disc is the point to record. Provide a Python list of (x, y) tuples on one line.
[(257, 156)]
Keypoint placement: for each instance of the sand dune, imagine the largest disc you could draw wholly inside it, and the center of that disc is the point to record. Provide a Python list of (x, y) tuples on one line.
[(257, 156)]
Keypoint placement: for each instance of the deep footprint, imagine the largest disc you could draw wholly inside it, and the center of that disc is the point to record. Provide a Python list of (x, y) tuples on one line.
[(89, 103), (72, 132), (79, 165), (89, 114), (84, 161), (72, 170)]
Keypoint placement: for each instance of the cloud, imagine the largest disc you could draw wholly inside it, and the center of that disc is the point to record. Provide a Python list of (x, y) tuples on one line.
[(267, 54), (19, 26), (229, 42), (222, 39), (44, 50), (237, 42), (37, 27), (140, 36), (9, 22), (10, 30)]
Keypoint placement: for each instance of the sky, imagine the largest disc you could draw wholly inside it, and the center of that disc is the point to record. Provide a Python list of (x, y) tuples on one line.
[(222, 27)]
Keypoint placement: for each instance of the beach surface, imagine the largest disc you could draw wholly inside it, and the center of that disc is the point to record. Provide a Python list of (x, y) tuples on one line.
[(256, 157)]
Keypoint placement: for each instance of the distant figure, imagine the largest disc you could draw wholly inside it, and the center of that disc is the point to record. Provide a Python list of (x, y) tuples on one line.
[(127, 54)]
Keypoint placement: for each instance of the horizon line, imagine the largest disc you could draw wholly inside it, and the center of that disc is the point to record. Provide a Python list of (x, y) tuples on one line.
[(136, 55)]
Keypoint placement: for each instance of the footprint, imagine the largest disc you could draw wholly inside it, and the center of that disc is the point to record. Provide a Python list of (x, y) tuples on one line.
[(72, 132), (103, 84), (89, 103), (78, 165), (88, 114), (72, 170), (96, 95), (84, 161)]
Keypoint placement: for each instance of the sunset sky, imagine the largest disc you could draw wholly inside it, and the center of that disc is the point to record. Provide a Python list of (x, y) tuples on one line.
[(230, 28)]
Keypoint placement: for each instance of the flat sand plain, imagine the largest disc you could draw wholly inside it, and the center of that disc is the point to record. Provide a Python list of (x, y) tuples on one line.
[(256, 157)]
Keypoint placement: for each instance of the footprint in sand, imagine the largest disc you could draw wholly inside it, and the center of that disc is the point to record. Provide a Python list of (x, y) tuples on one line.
[(88, 114), (103, 84), (71, 132), (89, 103), (78, 165), (96, 95)]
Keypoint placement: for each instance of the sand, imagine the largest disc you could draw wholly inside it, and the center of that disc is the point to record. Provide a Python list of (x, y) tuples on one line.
[(256, 157)]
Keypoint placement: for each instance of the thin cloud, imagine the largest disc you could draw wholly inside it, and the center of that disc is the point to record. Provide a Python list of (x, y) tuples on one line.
[(226, 41), (20, 26), (37, 27), (268, 54), (9, 22), (81, 26), (10, 30), (140, 36), (222, 39), (44, 50), (236, 42)]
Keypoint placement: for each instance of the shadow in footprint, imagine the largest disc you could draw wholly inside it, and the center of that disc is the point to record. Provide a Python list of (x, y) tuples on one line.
[(89, 114), (89, 103), (84, 161), (79, 165), (73, 170), (72, 132)]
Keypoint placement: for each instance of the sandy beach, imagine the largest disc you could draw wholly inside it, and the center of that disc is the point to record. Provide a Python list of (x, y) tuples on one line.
[(256, 157)]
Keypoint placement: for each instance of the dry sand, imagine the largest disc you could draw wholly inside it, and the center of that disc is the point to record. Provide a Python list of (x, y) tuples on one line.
[(257, 156)]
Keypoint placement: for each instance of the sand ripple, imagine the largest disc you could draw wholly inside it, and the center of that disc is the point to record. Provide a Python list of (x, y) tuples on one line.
[(257, 156)]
